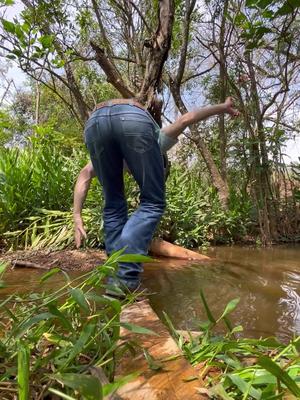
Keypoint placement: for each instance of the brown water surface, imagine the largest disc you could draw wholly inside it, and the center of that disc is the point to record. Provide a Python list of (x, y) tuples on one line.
[(267, 281)]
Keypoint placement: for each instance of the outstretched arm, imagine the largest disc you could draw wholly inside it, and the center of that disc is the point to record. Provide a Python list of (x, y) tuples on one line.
[(80, 192), (192, 117)]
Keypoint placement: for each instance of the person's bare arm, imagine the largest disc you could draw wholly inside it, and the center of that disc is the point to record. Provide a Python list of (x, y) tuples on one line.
[(80, 192), (191, 117)]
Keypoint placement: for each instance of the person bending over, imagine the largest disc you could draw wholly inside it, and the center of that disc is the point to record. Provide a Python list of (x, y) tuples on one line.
[(121, 131)]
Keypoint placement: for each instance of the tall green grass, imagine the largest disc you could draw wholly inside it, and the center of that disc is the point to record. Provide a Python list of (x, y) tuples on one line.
[(36, 195), (53, 341), (238, 368)]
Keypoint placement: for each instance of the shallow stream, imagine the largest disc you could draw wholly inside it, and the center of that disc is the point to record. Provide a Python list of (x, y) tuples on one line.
[(267, 281)]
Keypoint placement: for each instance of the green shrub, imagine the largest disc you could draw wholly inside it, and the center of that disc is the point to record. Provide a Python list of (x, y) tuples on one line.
[(36, 196)]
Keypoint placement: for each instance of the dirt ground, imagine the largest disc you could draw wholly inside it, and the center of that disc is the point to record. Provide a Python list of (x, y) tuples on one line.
[(70, 260)]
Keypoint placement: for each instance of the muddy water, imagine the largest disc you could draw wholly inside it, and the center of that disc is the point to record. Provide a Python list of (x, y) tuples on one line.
[(267, 281), (24, 280)]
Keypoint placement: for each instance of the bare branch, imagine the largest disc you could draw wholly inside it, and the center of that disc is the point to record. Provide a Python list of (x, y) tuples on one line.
[(113, 75)]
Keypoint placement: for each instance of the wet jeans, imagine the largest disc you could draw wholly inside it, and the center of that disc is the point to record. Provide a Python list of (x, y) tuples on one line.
[(125, 132)]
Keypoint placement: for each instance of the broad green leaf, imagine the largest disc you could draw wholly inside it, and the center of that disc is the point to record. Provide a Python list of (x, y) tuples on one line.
[(114, 256), (23, 371), (240, 18), (65, 322), (32, 321), (258, 377), (134, 258), (7, 2), (229, 308), (80, 299), (137, 329), (114, 303), (85, 335), (8, 26), (251, 3), (3, 267), (48, 275), (88, 386), (268, 342), (245, 387), (264, 3), (288, 7), (46, 41), (280, 374)]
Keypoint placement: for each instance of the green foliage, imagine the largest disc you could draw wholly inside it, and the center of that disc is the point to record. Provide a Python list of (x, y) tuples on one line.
[(51, 341), (194, 216), (247, 368), (267, 11), (36, 195), (36, 177), (23, 370), (6, 125)]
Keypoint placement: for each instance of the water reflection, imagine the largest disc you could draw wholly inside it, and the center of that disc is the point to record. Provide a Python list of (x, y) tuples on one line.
[(266, 280)]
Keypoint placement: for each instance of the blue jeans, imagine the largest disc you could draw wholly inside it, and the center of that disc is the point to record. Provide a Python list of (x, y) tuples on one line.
[(125, 132)]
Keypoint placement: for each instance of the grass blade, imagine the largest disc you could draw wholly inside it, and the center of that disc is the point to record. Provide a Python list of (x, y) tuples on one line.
[(280, 374), (138, 329), (87, 385), (207, 310), (61, 394), (80, 299), (85, 335), (48, 275), (23, 371), (245, 387)]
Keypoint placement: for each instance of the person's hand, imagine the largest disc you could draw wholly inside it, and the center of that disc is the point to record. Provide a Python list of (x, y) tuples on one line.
[(229, 107), (79, 231)]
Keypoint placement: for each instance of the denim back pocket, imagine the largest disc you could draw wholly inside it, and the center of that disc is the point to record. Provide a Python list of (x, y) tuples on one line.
[(93, 139), (138, 133)]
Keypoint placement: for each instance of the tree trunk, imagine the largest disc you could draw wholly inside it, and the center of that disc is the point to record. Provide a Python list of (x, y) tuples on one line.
[(261, 170), (223, 91)]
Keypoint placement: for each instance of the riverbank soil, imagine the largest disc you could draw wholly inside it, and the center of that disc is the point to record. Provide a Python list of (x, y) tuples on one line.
[(85, 260), (70, 260), (166, 374)]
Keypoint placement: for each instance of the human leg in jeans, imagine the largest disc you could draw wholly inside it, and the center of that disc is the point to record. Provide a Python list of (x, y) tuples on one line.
[(123, 131)]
